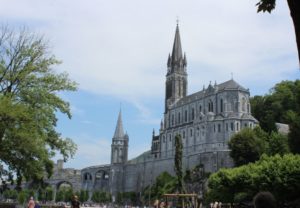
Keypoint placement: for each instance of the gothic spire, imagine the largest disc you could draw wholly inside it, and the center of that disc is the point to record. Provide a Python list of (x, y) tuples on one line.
[(177, 51), (119, 132)]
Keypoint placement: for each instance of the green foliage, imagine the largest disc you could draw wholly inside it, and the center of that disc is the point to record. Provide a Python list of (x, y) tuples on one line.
[(164, 183), (278, 174), (64, 194), (23, 196), (294, 134), (277, 144), (178, 163), (266, 5), (84, 195), (246, 147), (249, 144), (10, 194), (101, 197), (45, 194), (281, 105), (29, 103)]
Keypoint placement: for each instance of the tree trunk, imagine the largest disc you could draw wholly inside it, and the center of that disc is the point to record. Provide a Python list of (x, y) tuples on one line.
[(294, 6)]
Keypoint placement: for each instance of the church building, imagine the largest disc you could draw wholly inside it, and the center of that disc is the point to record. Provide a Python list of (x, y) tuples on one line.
[(206, 120)]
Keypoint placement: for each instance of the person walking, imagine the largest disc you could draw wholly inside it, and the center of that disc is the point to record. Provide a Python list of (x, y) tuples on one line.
[(31, 203), (37, 205), (75, 202)]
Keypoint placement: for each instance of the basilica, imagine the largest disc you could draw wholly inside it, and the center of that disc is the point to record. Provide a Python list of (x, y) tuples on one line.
[(205, 120)]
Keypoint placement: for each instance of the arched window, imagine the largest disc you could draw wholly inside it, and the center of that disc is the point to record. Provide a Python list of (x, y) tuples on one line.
[(221, 105), (243, 104), (193, 113), (200, 108), (210, 106), (178, 118), (172, 120), (185, 115)]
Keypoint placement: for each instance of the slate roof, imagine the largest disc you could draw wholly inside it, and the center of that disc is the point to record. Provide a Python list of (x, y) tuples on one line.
[(228, 85)]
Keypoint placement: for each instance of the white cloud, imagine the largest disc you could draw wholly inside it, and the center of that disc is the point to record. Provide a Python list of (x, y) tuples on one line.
[(91, 151), (120, 48)]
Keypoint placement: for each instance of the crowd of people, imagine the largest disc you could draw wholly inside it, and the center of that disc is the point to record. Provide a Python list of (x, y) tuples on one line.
[(261, 200)]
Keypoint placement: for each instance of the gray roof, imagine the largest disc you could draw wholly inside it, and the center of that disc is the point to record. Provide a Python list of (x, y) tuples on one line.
[(228, 85), (231, 84), (119, 132)]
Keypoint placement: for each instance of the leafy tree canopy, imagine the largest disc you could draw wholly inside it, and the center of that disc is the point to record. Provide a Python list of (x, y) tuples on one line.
[(246, 147), (278, 174), (29, 102), (281, 105)]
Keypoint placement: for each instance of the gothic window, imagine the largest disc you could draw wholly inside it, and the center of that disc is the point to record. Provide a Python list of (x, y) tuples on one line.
[(193, 113), (178, 118), (243, 104), (172, 120), (164, 139), (226, 126), (237, 126), (221, 105), (185, 116), (245, 125), (183, 134), (231, 126), (191, 132), (170, 138), (200, 108), (219, 127), (251, 125), (210, 106)]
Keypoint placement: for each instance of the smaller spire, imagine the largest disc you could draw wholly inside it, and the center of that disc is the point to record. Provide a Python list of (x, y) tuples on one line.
[(169, 60), (184, 60), (119, 132)]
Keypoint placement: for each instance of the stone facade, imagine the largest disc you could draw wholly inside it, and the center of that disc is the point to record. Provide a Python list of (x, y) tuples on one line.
[(205, 120)]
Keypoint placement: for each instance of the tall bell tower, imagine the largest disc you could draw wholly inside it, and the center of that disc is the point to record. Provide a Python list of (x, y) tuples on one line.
[(176, 78), (119, 146)]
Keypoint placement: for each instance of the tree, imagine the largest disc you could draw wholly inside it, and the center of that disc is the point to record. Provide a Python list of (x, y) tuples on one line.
[(84, 195), (246, 147), (278, 144), (294, 134), (29, 103), (277, 174), (294, 5), (164, 184), (281, 105), (178, 163)]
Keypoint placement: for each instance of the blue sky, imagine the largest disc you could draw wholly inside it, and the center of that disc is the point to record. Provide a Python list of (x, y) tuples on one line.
[(117, 51)]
